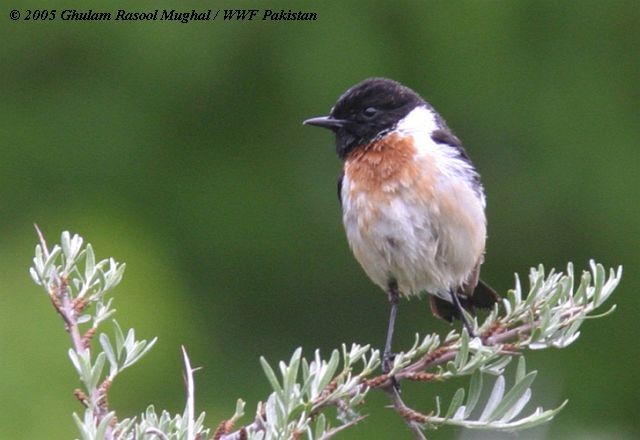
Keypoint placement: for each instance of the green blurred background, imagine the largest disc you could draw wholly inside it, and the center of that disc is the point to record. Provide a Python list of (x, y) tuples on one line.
[(178, 149)]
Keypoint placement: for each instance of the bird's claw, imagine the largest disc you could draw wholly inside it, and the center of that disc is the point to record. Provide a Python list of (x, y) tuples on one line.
[(387, 362), (387, 365)]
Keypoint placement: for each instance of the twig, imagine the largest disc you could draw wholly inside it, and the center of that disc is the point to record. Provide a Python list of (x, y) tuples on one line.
[(327, 435), (550, 316), (411, 417), (60, 295), (190, 395)]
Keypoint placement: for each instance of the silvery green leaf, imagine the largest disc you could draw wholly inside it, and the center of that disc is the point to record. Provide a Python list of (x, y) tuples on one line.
[(290, 373), (612, 282), (123, 429), (305, 370), (65, 242), (598, 281), (357, 399), (537, 418), (80, 424), (494, 399), (101, 430), (463, 354), (609, 285), (460, 413), (512, 397), (239, 412), (76, 244), (321, 426), (373, 361), (565, 341), (130, 340), (517, 292), (346, 355), (89, 262), (509, 303), (603, 314), (475, 388), (82, 319), (71, 249), (114, 274), (536, 334), (140, 349), (96, 371), (103, 312), (517, 406), (331, 368), (119, 337), (53, 256), (497, 367), (35, 276), (456, 401), (581, 294), (271, 375), (558, 292), (535, 288), (452, 335), (107, 348), (100, 285), (358, 352), (521, 369), (38, 260), (84, 362), (75, 360), (545, 316)]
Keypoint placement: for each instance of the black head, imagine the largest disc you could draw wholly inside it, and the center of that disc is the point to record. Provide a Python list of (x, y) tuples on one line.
[(366, 111)]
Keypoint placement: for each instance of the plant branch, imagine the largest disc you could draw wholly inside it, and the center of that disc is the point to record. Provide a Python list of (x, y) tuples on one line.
[(413, 419), (550, 314)]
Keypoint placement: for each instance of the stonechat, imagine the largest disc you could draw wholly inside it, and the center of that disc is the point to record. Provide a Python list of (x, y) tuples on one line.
[(413, 206)]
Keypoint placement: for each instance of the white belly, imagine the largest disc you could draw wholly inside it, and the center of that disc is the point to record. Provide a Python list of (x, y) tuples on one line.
[(425, 241)]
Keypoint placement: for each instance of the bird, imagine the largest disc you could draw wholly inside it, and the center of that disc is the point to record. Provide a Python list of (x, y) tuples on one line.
[(413, 206)]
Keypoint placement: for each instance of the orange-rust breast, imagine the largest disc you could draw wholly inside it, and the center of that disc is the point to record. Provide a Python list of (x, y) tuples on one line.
[(384, 166)]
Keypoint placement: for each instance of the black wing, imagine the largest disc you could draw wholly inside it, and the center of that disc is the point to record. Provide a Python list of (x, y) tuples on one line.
[(340, 178), (446, 136)]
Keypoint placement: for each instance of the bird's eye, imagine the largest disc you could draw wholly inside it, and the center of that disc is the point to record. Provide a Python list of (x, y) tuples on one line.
[(370, 112)]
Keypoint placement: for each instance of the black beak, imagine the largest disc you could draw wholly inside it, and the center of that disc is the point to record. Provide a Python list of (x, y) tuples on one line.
[(326, 122)]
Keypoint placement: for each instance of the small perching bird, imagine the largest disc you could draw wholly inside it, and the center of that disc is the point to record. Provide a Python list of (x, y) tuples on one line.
[(412, 202)]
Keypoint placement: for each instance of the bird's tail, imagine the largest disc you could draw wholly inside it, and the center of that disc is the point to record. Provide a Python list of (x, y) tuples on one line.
[(483, 296)]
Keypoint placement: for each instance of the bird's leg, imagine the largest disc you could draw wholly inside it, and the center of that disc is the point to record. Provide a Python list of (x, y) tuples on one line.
[(394, 297), (463, 317)]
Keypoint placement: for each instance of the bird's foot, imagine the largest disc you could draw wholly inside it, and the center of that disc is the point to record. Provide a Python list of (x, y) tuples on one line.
[(468, 326), (387, 364)]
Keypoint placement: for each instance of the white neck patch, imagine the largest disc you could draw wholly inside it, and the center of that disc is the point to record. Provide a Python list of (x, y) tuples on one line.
[(420, 119), (420, 123)]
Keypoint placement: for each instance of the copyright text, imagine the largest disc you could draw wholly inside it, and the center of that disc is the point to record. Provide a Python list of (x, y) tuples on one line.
[(163, 15)]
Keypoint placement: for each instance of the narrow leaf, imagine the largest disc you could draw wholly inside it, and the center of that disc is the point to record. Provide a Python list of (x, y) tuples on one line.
[(521, 369), (89, 263), (512, 397), (271, 375), (475, 388), (456, 401), (494, 399), (517, 407)]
